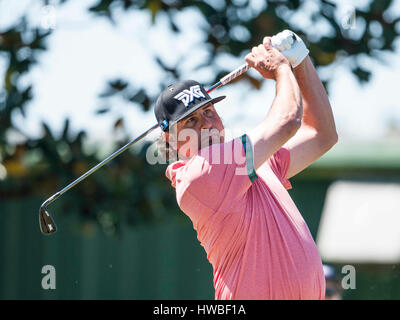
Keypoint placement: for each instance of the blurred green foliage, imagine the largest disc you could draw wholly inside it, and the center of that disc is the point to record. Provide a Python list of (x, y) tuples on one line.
[(129, 190)]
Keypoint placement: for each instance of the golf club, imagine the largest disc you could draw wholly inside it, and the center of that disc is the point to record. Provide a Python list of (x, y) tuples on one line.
[(46, 222)]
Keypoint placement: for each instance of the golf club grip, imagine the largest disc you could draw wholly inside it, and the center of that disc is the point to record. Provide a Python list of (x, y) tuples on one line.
[(238, 71), (229, 77), (234, 74)]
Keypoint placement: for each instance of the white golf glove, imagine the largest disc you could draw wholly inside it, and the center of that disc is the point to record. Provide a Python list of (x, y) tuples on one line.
[(294, 51)]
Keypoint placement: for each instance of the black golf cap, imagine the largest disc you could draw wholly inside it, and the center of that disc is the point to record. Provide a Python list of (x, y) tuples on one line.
[(179, 100)]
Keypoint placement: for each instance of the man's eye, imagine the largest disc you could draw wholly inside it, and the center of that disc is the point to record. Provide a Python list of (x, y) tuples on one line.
[(209, 113)]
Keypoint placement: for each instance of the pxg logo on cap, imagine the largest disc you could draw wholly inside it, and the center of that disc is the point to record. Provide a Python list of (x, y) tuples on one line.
[(179, 100), (187, 96)]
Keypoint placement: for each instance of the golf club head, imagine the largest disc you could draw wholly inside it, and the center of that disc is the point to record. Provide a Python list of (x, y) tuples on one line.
[(46, 222)]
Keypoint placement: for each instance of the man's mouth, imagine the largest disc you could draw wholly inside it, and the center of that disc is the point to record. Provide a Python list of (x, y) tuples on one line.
[(208, 141)]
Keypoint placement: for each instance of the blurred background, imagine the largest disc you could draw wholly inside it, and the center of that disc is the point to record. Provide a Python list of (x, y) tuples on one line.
[(78, 79)]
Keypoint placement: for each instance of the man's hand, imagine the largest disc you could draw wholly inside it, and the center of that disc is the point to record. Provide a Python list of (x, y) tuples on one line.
[(291, 46), (267, 60)]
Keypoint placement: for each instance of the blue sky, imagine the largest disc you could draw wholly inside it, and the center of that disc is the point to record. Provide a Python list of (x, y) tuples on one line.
[(67, 81)]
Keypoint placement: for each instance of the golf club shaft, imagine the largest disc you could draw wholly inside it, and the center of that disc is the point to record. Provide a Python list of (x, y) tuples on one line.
[(229, 77), (98, 166)]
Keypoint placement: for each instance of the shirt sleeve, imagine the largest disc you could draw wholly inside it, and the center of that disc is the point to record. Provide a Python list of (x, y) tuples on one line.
[(216, 175), (279, 163)]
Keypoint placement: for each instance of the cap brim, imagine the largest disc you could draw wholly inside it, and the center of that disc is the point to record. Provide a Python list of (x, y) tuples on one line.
[(202, 104)]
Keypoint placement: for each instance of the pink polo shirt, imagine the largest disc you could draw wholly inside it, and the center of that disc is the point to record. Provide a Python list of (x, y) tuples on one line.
[(255, 238)]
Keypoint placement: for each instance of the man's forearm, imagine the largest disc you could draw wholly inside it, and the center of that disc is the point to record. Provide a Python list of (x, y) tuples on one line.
[(287, 103), (282, 121), (317, 112)]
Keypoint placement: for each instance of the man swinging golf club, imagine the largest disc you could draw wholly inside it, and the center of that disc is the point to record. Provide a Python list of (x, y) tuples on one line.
[(235, 192)]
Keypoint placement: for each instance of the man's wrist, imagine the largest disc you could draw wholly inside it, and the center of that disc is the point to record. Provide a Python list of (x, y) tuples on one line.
[(302, 65), (282, 70), (302, 71)]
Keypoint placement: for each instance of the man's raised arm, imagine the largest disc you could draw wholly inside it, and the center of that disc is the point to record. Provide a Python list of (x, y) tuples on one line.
[(317, 133), (284, 116)]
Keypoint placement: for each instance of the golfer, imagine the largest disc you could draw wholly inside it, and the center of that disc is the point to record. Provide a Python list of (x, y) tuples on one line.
[(235, 192)]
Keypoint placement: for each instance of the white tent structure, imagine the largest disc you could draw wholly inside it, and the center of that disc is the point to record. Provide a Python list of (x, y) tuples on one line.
[(360, 223)]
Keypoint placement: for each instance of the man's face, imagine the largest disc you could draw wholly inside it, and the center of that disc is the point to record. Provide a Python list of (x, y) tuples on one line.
[(198, 130)]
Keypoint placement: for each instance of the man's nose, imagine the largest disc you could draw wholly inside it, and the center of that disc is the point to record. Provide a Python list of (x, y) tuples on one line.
[(205, 123)]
